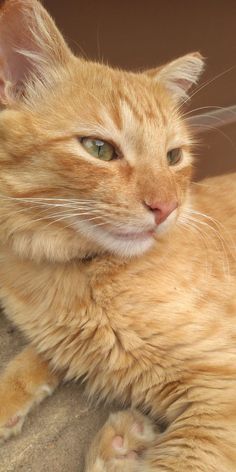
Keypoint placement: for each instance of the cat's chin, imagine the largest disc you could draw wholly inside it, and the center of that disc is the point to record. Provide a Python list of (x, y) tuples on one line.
[(126, 243), (126, 248), (122, 244)]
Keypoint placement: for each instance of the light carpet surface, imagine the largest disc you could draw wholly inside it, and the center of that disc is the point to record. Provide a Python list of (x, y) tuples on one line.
[(57, 433)]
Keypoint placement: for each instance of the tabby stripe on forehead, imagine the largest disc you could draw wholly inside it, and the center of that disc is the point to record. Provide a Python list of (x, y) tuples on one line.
[(148, 111), (115, 112)]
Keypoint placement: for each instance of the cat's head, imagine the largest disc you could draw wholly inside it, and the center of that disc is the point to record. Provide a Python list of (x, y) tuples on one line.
[(92, 159)]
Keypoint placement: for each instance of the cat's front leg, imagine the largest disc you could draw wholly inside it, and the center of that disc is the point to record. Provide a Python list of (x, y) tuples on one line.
[(26, 381)]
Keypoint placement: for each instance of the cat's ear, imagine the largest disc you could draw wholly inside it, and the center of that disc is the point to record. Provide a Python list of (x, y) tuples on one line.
[(30, 44), (179, 75)]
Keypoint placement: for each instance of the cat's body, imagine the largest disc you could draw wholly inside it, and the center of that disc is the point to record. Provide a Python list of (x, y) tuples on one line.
[(164, 317), (112, 269)]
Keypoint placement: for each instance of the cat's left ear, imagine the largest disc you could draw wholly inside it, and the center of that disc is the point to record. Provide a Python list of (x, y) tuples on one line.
[(179, 75), (30, 47)]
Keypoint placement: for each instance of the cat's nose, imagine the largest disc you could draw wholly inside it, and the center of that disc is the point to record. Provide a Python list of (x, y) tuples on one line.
[(161, 210)]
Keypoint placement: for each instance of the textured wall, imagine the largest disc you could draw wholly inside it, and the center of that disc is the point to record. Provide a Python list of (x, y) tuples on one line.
[(141, 33)]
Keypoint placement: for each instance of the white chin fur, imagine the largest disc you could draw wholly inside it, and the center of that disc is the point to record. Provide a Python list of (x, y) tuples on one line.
[(122, 248)]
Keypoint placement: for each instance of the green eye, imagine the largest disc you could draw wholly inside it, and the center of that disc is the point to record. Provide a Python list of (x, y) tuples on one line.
[(174, 156), (98, 148)]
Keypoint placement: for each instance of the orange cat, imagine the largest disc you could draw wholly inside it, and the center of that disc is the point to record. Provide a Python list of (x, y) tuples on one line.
[(108, 262)]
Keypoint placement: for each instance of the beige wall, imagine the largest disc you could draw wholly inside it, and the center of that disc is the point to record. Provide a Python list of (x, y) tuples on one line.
[(144, 33)]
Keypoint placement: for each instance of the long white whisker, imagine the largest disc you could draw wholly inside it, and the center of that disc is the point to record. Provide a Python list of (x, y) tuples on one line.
[(55, 220), (220, 227), (71, 216), (205, 84), (95, 225), (211, 107), (213, 128), (190, 225), (221, 241)]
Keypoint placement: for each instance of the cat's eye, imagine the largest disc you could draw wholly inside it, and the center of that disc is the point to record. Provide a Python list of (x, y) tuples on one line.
[(100, 149), (174, 156)]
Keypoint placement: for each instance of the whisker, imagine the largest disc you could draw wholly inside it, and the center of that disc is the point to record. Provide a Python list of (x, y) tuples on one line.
[(221, 241), (72, 203), (214, 107), (72, 216), (208, 82), (213, 128), (94, 225), (190, 225), (220, 226), (55, 220)]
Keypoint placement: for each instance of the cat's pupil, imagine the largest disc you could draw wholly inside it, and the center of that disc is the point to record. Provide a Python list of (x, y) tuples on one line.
[(98, 148), (99, 144), (174, 156)]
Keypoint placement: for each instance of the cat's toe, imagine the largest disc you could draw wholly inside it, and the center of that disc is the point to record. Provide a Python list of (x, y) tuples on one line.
[(121, 450), (121, 443), (11, 427)]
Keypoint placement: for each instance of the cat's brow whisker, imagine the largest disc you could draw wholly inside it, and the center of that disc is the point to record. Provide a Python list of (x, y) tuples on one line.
[(201, 184), (213, 121), (81, 50), (210, 128), (206, 84), (214, 107), (212, 117)]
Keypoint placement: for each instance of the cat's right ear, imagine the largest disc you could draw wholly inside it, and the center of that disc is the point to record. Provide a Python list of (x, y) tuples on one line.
[(30, 46), (179, 75)]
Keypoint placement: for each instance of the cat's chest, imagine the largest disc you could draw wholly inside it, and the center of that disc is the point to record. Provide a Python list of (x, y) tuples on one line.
[(95, 323), (86, 303)]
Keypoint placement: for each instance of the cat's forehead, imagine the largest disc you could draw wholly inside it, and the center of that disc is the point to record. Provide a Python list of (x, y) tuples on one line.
[(120, 105), (127, 94)]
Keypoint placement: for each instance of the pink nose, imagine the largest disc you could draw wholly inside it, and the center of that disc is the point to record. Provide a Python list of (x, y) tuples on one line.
[(162, 210)]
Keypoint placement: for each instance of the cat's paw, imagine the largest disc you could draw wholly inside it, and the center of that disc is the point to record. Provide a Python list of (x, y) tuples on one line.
[(14, 407), (121, 443), (26, 381), (11, 427)]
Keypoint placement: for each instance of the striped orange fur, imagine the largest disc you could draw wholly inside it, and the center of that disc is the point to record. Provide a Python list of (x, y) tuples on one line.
[(141, 307)]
